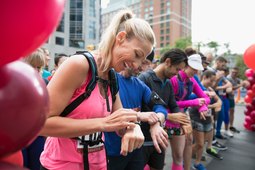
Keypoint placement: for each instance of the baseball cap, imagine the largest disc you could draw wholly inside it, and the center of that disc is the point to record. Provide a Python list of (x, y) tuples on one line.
[(195, 62)]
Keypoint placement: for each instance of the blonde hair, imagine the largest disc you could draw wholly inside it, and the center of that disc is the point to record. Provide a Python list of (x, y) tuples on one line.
[(36, 58), (124, 20)]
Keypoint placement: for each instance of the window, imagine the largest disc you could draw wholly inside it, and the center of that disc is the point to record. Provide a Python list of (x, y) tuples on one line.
[(161, 45), (161, 31), (162, 38), (76, 43), (92, 29), (92, 8), (168, 10), (59, 41), (167, 30), (61, 26), (162, 25)]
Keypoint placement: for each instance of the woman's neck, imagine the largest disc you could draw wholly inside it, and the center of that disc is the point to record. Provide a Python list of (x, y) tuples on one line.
[(103, 74)]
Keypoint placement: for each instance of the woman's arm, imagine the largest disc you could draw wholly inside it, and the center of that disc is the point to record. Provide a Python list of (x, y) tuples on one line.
[(70, 76)]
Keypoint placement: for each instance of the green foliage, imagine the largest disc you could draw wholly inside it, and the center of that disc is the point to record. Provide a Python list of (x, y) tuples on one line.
[(163, 50), (183, 43), (242, 67), (214, 45)]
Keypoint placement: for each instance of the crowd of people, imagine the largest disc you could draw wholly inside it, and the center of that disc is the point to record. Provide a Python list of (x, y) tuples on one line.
[(179, 101)]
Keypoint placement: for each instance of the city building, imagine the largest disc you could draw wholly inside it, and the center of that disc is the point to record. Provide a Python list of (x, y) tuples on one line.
[(169, 19), (78, 29)]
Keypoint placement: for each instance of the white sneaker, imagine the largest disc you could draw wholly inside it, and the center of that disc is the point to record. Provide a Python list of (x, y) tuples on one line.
[(228, 133)]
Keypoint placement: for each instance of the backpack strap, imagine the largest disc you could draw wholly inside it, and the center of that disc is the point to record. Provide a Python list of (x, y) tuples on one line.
[(114, 84), (90, 87)]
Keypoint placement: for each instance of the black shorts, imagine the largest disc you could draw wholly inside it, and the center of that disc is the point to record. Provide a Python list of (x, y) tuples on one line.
[(153, 158), (133, 161)]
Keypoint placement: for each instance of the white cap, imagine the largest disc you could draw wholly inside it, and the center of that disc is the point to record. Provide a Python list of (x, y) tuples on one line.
[(195, 62)]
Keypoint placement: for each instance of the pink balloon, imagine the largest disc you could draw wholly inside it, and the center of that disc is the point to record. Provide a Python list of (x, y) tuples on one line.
[(249, 73), (26, 25), (23, 104)]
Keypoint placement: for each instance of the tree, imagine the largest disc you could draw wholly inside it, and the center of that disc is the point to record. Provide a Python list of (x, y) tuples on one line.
[(183, 43), (214, 45), (242, 67)]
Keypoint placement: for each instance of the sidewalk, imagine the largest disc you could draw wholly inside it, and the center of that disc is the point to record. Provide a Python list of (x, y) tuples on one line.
[(241, 149)]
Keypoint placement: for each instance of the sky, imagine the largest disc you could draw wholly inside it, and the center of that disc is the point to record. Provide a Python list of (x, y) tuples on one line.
[(224, 21)]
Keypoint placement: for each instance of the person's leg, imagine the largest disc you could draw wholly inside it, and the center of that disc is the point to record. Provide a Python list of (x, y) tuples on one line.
[(188, 151), (177, 145), (199, 145), (117, 162), (34, 151), (157, 160), (209, 138), (209, 150), (226, 117), (219, 121), (232, 116), (136, 161), (146, 150)]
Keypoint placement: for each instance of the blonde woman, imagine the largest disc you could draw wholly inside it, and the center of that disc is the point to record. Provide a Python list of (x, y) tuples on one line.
[(125, 44)]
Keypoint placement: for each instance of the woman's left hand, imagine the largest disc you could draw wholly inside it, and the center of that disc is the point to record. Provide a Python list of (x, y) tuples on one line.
[(131, 140)]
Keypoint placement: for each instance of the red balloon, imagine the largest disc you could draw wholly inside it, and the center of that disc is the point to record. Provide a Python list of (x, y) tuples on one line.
[(247, 112), (250, 93), (25, 26), (247, 99), (249, 57), (249, 120), (252, 115), (249, 107), (249, 73), (253, 88), (247, 126), (24, 103), (251, 80), (253, 127), (246, 84), (7, 166)]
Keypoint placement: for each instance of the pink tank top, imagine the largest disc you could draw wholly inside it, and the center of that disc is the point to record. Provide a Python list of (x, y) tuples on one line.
[(61, 153)]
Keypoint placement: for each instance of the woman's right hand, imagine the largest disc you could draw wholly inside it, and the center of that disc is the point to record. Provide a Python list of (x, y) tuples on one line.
[(120, 119), (181, 118)]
